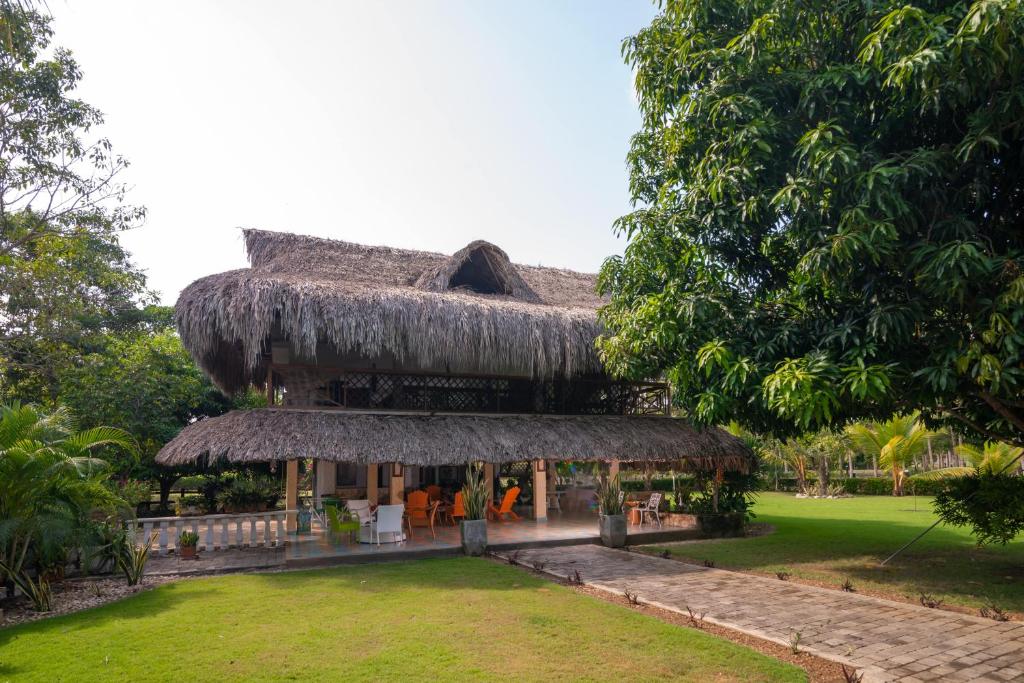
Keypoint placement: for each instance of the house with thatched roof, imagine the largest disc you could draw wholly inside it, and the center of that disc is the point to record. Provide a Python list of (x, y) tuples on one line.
[(392, 368)]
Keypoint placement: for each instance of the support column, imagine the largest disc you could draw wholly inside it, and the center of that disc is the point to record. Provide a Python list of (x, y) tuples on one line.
[(371, 483), (540, 491), (291, 493), (489, 481), (396, 487)]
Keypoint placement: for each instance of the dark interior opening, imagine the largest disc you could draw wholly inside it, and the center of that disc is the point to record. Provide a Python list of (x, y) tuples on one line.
[(476, 274)]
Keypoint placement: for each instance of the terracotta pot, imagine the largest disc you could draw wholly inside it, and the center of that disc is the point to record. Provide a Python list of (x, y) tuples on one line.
[(188, 552)]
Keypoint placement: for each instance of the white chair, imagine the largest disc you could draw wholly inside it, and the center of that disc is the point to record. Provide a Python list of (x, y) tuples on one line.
[(389, 521), (650, 508), (361, 509)]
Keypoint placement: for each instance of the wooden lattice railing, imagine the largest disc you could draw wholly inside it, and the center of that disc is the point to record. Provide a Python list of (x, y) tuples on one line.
[(311, 386)]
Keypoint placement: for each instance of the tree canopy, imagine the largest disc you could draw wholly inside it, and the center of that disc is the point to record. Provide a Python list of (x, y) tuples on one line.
[(64, 278), (829, 209)]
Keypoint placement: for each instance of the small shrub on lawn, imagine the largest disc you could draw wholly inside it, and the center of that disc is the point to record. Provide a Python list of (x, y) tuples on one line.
[(994, 611)]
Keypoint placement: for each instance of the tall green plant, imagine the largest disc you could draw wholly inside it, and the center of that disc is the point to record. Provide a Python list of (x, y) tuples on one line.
[(609, 496), (895, 442), (50, 486), (475, 493)]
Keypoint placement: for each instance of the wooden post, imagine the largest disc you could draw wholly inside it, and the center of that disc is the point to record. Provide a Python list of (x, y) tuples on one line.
[(613, 469), (396, 487), (540, 491), (489, 481), (371, 483), (291, 493)]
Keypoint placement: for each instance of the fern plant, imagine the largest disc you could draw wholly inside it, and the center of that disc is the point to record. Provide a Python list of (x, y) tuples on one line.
[(474, 493)]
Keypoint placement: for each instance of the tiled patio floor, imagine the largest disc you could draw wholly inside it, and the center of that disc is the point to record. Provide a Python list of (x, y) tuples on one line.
[(319, 548), (558, 529)]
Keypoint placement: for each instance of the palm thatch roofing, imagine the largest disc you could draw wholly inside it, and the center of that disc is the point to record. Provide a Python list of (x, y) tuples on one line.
[(449, 439), (472, 312)]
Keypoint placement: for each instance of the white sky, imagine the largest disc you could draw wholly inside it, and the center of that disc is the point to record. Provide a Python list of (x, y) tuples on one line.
[(423, 124)]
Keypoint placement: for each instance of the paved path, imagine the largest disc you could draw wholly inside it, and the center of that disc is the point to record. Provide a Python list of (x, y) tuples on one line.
[(886, 640)]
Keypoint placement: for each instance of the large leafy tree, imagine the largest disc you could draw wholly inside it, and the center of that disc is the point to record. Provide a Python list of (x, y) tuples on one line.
[(63, 275), (830, 213), (148, 385)]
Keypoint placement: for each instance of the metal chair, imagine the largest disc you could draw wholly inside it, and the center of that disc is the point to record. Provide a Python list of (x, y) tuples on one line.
[(650, 508)]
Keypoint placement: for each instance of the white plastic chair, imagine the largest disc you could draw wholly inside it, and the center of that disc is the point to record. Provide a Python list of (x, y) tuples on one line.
[(389, 521), (650, 508), (361, 509)]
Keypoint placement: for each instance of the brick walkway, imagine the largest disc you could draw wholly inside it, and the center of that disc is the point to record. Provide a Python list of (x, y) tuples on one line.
[(886, 640)]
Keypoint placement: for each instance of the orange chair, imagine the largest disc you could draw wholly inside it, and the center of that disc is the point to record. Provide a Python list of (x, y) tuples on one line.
[(499, 514), (434, 492), (420, 511), (457, 510)]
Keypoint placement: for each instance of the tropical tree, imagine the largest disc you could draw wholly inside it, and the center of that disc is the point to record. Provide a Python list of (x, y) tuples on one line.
[(896, 443), (148, 385), (828, 213), (819, 451), (64, 277), (993, 457), (50, 485)]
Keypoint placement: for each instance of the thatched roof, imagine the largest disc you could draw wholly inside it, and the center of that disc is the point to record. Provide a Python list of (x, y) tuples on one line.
[(424, 439), (472, 312)]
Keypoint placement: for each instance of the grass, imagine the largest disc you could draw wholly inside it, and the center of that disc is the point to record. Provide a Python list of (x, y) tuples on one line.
[(833, 540), (451, 619)]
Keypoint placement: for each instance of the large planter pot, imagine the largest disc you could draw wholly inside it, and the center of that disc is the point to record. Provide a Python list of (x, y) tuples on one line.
[(474, 536), (188, 552), (613, 530), (721, 524)]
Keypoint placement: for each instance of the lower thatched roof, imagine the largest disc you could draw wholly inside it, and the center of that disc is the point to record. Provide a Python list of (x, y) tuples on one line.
[(419, 439)]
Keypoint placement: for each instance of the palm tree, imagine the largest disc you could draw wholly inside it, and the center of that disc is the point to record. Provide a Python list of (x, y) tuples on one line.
[(50, 485), (895, 442), (994, 457)]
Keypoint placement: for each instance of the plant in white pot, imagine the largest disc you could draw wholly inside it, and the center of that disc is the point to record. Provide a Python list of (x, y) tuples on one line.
[(473, 526), (611, 519)]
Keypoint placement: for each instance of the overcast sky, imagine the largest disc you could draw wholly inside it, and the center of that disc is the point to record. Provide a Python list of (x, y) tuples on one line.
[(423, 124)]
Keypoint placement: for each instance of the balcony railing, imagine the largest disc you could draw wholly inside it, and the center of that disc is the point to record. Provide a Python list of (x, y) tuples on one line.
[(312, 386)]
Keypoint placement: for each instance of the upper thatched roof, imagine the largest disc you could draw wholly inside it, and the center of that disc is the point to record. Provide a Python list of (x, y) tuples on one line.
[(424, 439), (472, 312)]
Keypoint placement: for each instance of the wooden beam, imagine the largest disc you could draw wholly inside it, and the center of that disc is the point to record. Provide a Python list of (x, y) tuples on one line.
[(371, 483), (540, 491), (396, 487), (291, 493)]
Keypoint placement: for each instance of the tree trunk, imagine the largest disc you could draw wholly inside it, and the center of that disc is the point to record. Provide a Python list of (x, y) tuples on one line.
[(874, 465), (823, 476), (165, 490)]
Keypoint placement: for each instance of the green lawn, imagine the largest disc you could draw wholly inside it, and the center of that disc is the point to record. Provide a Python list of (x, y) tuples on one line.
[(831, 540), (454, 619)]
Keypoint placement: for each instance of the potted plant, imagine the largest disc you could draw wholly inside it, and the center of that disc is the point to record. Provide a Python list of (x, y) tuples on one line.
[(473, 526), (187, 542), (612, 521)]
